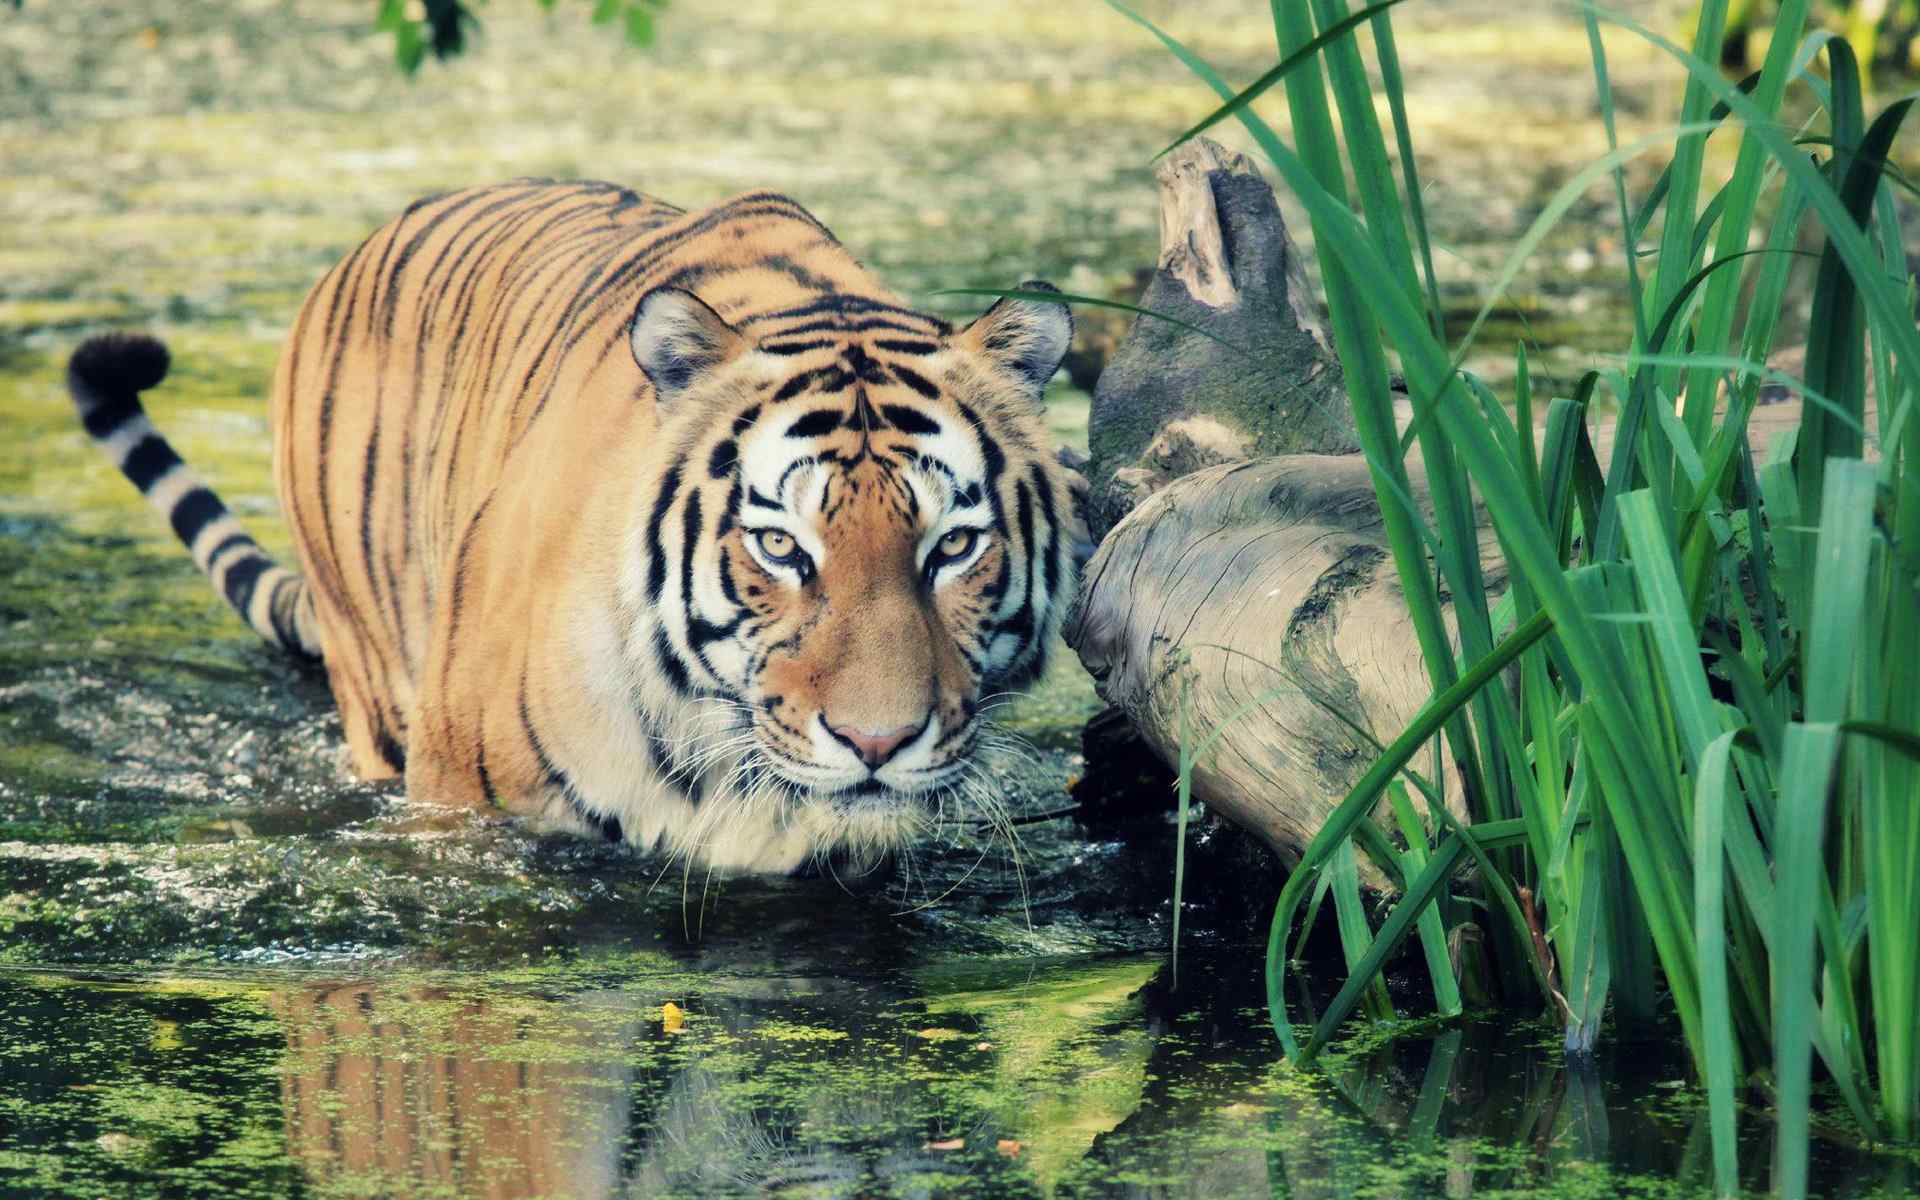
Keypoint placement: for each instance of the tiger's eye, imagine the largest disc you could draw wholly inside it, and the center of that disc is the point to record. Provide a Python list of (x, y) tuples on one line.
[(957, 542), (775, 544)]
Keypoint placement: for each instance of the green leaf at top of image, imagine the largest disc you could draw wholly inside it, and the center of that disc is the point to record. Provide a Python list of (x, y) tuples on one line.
[(639, 23)]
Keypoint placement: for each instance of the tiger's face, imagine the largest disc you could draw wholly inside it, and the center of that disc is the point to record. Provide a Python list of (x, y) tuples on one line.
[(861, 540)]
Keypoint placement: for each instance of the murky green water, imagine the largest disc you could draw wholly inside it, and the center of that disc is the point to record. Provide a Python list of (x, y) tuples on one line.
[(225, 970)]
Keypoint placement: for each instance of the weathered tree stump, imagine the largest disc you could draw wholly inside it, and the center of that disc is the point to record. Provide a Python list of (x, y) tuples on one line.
[(1243, 577), (1259, 381)]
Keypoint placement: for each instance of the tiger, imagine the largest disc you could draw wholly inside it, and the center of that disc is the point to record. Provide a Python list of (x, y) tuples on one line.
[(675, 528)]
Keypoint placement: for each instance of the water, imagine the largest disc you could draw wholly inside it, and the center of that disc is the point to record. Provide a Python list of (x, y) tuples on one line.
[(225, 969)]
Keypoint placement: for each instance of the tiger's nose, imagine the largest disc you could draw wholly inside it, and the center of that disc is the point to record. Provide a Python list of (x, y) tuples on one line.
[(875, 748)]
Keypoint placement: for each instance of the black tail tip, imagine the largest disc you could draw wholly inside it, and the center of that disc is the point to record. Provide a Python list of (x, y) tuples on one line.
[(118, 364)]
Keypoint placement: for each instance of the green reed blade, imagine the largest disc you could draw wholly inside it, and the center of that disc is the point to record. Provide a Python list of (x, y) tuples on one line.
[(1433, 935), (1742, 195), (1358, 803), (1710, 940), (1365, 971), (1806, 767), (1366, 147), (1391, 82), (1350, 917), (1836, 361), (1676, 260), (1839, 588), (1630, 240)]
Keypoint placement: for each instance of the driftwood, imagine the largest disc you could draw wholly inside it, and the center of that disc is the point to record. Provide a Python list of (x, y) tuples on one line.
[(1238, 582)]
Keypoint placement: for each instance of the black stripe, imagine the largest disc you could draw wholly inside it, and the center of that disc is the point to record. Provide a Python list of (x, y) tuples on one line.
[(915, 380), (1021, 622), (726, 585), (656, 555), (283, 612), (368, 476), (905, 346), (909, 420), (665, 763), (389, 749), (457, 601), (725, 456), (486, 780), (819, 422), (798, 273), (108, 413), (1050, 520), (194, 512), (785, 348), (702, 633), (227, 543), (149, 459), (847, 325), (670, 664), (608, 827), (989, 449), (793, 387), (840, 302), (551, 771), (241, 579)]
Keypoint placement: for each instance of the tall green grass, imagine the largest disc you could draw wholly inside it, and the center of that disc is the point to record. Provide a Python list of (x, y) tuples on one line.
[(1691, 729)]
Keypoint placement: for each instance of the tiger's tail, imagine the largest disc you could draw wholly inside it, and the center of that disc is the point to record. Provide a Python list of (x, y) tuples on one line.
[(106, 376)]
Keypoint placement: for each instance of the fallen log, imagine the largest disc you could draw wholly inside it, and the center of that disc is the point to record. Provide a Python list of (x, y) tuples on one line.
[(1243, 581)]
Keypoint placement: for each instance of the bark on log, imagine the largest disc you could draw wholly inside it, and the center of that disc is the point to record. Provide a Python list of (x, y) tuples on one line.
[(1252, 588)]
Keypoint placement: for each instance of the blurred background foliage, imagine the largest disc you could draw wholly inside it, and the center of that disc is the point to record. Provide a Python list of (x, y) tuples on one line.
[(443, 28), (1881, 32)]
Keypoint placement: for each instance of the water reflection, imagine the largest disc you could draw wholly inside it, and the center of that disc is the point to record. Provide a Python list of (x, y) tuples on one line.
[(452, 1095), (1080, 1077), (788, 1087)]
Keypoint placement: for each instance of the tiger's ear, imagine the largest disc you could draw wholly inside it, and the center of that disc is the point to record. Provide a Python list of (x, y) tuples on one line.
[(676, 339), (1026, 338)]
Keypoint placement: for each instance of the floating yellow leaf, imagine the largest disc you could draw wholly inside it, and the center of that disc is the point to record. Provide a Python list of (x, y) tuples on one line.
[(673, 1017)]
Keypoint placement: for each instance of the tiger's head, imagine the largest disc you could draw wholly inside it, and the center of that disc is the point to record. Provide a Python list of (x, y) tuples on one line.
[(861, 539)]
